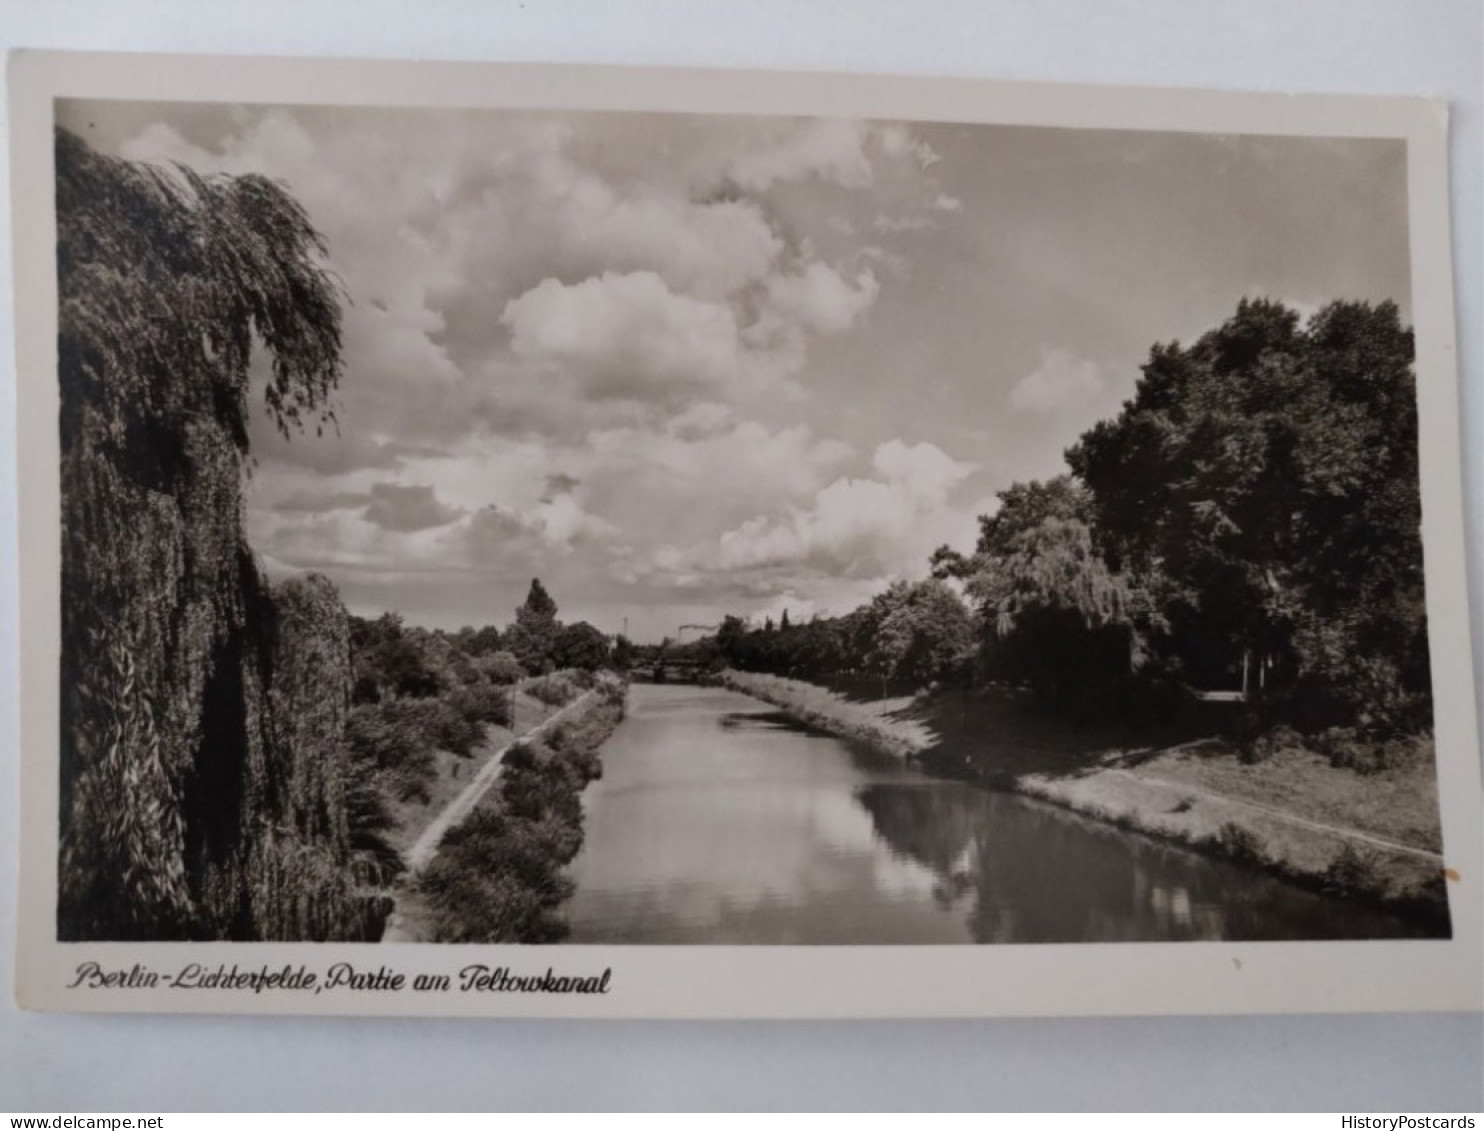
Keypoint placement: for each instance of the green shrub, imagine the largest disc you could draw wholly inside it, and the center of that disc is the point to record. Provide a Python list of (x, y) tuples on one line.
[(1240, 844), (498, 875), (1353, 748), (1355, 871), (503, 668), (440, 723), (1263, 745), (498, 879), (554, 690), (400, 736), (482, 702)]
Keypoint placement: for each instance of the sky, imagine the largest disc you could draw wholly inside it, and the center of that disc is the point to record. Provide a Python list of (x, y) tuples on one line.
[(679, 366)]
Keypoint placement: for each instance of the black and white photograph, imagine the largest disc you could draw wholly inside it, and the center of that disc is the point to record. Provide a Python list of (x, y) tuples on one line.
[(623, 528)]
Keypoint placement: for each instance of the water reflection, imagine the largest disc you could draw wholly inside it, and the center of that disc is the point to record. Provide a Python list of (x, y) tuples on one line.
[(718, 820), (1028, 872)]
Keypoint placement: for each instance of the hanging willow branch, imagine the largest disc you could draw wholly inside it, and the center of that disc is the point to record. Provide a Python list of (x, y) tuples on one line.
[(199, 706), (1052, 565), (167, 277)]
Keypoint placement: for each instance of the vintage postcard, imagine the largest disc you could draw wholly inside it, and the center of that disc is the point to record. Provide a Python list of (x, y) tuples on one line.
[(551, 541)]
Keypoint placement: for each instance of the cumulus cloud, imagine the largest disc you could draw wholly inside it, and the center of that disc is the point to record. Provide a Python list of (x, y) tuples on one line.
[(345, 540), (528, 273), (393, 506), (710, 249), (582, 343), (856, 526), (679, 482), (1061, 379), (831, 149), (908, 223), (540, 207), (924, 471), (898, 141), (821, 298), (629, 335), (504, 542)]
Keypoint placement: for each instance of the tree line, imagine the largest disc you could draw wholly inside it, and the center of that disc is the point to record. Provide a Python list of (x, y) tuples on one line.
[(418, 690), (1248, 522)]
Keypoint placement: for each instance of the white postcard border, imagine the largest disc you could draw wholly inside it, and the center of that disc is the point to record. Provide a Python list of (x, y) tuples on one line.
[(734, 981)]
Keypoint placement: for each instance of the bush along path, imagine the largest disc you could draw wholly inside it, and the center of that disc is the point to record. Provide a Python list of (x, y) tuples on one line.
[(489, 868), (426, 845)]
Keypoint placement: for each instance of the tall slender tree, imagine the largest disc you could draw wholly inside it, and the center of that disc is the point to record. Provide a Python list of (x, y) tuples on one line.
[(533, 636)]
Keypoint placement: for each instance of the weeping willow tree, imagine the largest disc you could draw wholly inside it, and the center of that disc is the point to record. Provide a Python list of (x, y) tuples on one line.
[(1053, 614), (203, 776), (1052, 566)]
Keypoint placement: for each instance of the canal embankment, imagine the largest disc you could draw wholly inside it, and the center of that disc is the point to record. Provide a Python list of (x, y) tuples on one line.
[(448, 775), (1289, 812), (490, 866)]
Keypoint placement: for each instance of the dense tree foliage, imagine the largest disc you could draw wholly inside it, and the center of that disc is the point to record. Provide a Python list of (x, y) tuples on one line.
[(1267, 475), (1052, 612), (1055, 614), (388, 661), (913, 634), (622, 657), (419, 690), (533, 636), (1254, 509), (922, 632), (481, 641), (581, 645), (204, 789)]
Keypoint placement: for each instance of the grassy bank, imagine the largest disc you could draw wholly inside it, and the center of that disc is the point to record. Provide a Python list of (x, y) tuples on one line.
[(499, 875), (882, 724), (450, 771), (1293, 812)]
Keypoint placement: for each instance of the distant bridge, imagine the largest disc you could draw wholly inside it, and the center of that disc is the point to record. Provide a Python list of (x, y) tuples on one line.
[(668, 670)]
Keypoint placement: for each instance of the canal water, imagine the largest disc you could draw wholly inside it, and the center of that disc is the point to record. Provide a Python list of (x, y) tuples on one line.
[(718, 820)]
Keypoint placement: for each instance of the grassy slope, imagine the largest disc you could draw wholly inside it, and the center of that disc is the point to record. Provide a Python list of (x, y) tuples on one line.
[(1176, 785), (452, 772), (417, 917)]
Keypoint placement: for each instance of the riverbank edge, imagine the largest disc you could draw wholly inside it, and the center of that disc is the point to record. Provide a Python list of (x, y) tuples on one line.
[(1352, 873), (413, 915), (425, 847)]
